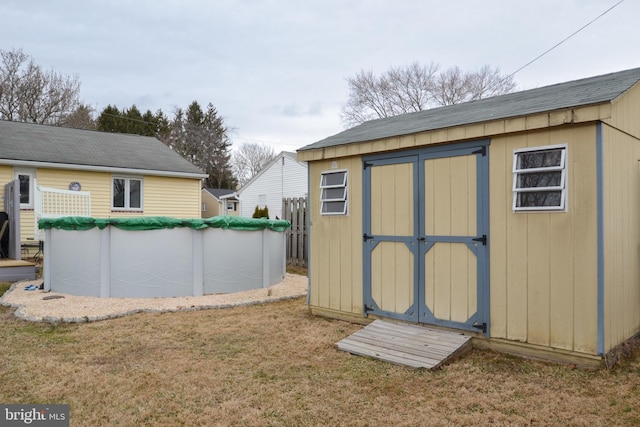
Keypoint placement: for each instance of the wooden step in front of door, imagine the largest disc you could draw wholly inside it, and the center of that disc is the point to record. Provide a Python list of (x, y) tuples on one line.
[(405, 344)]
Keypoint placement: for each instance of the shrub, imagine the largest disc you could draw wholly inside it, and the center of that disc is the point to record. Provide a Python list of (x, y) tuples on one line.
[(261, 212)]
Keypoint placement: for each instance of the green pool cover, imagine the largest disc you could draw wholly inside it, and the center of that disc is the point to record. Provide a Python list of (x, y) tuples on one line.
[(160, 222)]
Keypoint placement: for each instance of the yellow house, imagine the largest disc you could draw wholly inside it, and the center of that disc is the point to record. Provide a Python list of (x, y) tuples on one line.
[(218, 201), (515, 219), (109, 175)]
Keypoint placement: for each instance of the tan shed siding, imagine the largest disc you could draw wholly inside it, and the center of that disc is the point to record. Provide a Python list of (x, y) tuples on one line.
[(336, 251), (621, 173), (625, 112), (544, 265)]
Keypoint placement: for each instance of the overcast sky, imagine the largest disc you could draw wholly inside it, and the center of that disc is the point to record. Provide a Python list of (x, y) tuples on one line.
[(276, 70)]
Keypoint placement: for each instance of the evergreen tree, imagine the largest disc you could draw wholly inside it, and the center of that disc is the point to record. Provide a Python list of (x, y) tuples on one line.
[(201, 137), (132, 121), (110, 119)]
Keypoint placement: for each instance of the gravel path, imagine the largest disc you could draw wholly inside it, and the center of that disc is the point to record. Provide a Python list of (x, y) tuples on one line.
[(52, 307)]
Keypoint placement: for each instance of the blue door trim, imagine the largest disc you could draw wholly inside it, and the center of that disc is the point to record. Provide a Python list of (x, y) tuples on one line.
[(370, 242), (417, 243), (600, 226)]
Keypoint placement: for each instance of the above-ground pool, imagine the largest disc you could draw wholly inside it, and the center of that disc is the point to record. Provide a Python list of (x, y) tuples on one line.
[(151, 257)]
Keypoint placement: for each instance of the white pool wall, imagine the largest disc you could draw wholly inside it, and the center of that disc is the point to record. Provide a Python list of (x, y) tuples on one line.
[(116, 263)]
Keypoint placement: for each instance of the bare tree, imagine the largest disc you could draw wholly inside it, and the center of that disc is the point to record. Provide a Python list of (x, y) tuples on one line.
[(80, 118), (30, 94), (417, 88), (249, 159)]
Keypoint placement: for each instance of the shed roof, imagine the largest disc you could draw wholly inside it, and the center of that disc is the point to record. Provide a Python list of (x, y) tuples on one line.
[(25, 143), (577, 93)]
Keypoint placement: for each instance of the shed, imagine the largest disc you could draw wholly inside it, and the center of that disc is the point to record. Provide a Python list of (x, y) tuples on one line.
[(514, 219), (282, 177)]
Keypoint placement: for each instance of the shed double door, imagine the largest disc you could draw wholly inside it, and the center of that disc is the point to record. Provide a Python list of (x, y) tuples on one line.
[(425, 237)]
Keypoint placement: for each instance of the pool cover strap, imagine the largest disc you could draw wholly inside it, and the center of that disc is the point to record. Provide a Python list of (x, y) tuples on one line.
[(160, 222)]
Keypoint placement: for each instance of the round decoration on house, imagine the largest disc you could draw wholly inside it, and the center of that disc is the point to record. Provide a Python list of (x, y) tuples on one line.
[(75, 186)]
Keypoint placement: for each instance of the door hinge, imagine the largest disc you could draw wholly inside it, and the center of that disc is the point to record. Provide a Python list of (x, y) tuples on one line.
[(482, 150), (365, 165), (366, 237), (482, 239), (482, 326), (367, 309)]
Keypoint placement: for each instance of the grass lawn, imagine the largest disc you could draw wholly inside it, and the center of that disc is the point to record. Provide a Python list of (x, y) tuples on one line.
[(276, 365)]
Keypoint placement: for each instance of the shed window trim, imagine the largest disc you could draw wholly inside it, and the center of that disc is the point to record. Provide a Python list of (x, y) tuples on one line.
[(131, 199), (334, 192), (540, 185)]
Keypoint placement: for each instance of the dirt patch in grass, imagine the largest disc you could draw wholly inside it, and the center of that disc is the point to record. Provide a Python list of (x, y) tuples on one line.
[(275, 364)]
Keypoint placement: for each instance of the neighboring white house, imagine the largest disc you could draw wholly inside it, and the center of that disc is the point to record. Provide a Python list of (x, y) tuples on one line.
[(283, 177)]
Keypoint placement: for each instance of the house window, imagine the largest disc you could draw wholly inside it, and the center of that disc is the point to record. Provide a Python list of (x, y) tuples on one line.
[(231, 206), (539, 179), (26, 180), (333, 193), (126, 194)]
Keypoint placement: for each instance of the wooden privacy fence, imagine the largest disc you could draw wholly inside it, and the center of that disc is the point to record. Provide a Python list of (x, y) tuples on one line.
[(294, 210)]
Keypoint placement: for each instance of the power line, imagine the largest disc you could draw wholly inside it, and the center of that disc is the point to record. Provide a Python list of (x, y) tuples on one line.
[(562, 41), (261, 141)]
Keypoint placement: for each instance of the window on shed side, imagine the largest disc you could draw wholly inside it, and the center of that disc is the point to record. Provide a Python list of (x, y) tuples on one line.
[(539, 179), (333, 193)]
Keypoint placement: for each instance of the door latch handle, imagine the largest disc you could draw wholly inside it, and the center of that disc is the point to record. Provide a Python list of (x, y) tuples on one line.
[(482, 239)]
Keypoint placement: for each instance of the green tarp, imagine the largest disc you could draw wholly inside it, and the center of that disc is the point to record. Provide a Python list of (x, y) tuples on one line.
[(160, 222)]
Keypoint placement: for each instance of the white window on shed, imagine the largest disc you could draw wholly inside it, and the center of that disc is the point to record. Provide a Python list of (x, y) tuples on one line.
[(540, 179), (333, 193)]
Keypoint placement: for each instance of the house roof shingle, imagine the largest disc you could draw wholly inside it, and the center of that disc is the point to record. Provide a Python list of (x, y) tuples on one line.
[(583, 92), (219, 192), (27, 142)]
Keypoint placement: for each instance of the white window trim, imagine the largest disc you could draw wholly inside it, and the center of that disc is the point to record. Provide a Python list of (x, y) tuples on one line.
[(32, 178), (563, 179), (127, 193), (345, 199)]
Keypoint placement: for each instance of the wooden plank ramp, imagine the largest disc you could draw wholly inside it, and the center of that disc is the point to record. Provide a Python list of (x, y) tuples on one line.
[(405, 344)]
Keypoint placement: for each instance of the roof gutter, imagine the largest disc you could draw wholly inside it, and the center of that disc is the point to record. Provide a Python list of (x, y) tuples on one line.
[(89, 168)]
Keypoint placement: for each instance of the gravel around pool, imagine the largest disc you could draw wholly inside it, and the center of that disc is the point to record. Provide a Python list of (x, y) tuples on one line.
[(51, 307)]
